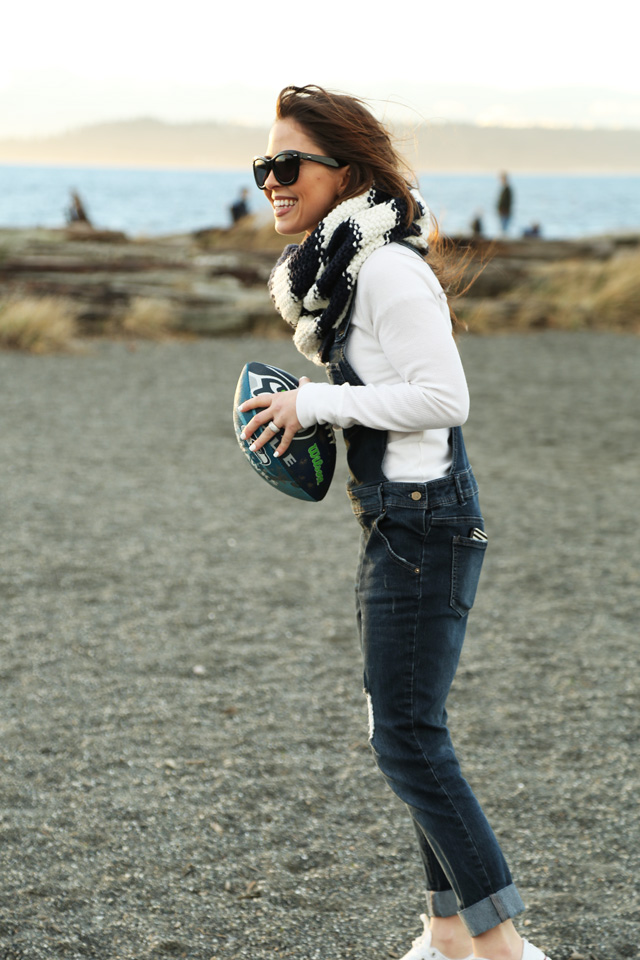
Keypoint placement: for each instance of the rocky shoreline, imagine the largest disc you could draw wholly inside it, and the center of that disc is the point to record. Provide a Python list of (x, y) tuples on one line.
[(214, 282), (101, 274)]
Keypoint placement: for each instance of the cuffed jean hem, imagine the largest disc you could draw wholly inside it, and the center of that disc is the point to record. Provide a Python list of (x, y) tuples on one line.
[(441, 903), (495, 909)]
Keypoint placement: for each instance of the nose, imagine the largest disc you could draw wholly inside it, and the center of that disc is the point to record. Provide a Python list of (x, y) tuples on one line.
[(271, 181)]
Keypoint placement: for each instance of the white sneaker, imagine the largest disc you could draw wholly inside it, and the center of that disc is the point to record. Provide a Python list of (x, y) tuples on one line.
[(422, 949), (529, 952)]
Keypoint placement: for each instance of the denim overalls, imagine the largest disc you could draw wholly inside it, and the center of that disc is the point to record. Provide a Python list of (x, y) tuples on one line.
[(422, 550)]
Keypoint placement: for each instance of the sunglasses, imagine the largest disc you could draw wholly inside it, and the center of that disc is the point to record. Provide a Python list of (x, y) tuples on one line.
[(286, 166)]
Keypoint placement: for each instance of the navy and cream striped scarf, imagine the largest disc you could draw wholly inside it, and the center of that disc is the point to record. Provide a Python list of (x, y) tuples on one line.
[(312, 284)]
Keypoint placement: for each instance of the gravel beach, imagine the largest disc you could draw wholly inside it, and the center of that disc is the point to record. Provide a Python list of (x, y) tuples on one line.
[(185, 768)]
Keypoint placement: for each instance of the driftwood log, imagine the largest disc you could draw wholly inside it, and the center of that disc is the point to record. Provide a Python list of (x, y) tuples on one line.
[(209, 292), (209, 282)]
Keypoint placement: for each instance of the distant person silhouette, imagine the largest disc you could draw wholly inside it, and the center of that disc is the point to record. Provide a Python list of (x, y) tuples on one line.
[(476, 227), (240, 208), (76, 212), (505, 203), (534, 230)]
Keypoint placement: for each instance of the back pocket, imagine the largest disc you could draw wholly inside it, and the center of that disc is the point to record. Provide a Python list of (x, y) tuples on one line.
[(466, 564)]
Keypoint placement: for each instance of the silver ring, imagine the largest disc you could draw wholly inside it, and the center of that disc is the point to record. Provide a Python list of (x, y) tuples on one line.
[(273, 427)]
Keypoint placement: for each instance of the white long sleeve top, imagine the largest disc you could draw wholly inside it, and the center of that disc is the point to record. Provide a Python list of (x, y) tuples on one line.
[(400, 345)]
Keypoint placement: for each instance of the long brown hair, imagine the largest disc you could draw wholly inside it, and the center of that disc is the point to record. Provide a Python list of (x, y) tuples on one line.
[(345, 129)]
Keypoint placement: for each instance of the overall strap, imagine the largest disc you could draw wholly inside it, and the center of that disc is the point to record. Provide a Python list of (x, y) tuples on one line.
[(459, 460), (409, 246), (366, 447)]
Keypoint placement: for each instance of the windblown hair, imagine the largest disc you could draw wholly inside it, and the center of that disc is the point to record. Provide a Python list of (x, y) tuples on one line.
[(345, 129)]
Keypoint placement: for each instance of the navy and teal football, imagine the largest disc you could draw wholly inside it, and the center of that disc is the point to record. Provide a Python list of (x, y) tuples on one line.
[(305, 470)]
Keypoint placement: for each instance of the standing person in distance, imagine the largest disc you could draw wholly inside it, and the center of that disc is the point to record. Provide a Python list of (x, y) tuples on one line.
[(240, 207), (364, 303), (505, 203)]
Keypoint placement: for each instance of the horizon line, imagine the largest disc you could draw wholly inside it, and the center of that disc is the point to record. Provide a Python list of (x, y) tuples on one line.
[(460, 171), (434, 121)]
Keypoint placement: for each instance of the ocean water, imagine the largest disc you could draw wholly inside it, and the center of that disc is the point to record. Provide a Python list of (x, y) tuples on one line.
[(157, 202)]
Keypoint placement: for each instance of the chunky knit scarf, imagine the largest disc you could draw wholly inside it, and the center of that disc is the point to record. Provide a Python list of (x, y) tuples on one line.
[(312, 285)]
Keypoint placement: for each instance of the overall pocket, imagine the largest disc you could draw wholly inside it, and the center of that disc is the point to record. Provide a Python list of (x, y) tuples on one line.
[(402, 533), (466, 563)]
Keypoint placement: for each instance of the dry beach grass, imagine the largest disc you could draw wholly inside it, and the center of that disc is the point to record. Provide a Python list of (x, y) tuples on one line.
[(37, 325), (575, 294), (185, 770)]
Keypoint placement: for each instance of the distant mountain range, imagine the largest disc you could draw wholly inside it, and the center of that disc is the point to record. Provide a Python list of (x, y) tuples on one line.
[(455, 147)]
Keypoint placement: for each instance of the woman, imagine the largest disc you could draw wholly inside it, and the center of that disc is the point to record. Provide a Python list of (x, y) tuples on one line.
[(364, 303)]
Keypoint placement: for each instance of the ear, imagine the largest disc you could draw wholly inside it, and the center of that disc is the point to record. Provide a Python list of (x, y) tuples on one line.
[(343, 179)]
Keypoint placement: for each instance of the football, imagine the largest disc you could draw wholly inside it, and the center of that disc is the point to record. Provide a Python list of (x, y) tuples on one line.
[(305, 471)]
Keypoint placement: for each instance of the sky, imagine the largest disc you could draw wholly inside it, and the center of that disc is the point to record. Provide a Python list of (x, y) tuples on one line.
[(70, 64)]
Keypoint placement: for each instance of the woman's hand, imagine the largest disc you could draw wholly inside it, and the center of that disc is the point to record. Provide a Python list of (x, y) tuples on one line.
[(276, 408)]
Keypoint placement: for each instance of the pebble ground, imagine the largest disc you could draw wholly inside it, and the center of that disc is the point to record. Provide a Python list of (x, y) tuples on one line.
[(183, 753)]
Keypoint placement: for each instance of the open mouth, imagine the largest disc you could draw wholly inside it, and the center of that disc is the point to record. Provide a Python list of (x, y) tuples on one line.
[(283, 205)]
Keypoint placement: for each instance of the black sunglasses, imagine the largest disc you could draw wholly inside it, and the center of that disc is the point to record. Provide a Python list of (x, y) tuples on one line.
[(286, 166)]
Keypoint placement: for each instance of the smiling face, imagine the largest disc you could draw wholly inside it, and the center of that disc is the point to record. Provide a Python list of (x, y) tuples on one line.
[(300, 207)]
